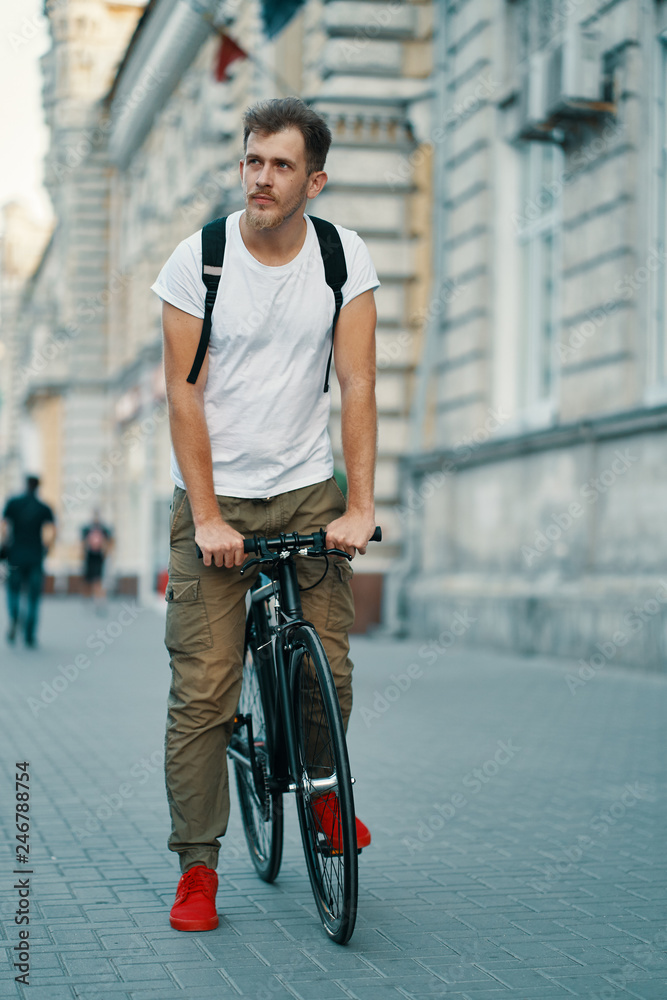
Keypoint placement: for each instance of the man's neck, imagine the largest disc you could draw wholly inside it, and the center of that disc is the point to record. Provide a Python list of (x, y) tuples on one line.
[(275, 247)]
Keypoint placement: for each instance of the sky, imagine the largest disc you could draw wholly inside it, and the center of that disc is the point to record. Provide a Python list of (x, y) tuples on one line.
[(23, 39)]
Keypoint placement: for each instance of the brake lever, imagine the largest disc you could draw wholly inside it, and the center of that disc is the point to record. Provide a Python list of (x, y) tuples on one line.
[(338, 552)]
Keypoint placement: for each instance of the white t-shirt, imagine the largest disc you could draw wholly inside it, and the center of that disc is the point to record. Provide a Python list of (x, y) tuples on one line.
[(266, 411)]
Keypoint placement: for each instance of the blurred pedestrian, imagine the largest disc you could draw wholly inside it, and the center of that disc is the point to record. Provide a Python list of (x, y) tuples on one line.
[(97, 540), (28, 531)]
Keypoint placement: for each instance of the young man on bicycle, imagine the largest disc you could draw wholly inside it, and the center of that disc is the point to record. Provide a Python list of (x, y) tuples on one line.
[(251, 455)]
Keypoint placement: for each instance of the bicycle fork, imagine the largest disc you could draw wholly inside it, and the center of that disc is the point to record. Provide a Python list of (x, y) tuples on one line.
[(318, 786)]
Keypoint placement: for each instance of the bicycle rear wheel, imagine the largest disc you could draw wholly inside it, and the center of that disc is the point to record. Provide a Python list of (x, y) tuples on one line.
[(261, 809), (325, 804)]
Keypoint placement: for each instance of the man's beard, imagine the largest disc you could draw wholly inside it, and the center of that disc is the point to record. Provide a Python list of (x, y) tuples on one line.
[(258, 219)]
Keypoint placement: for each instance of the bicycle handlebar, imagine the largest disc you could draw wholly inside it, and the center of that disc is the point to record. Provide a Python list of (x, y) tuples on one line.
[(292, 542)]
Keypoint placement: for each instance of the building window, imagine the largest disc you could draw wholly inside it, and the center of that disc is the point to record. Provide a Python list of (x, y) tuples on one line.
[(657, 376), (539, 252)]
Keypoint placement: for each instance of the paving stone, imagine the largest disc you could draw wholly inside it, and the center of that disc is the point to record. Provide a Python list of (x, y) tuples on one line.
[(654, 989), (52, 992)]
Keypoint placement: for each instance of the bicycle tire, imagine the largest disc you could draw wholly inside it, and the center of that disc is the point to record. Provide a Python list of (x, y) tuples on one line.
[(261, 809), (322, 753)]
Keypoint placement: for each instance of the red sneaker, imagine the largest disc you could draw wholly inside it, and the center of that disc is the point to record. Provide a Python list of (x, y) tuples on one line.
[(194, 906), (325, 809)]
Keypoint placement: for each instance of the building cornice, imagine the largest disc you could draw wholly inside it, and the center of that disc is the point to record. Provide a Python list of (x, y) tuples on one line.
[(594, 430)]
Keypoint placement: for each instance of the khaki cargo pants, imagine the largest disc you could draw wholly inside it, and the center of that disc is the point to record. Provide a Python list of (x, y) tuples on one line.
[(205, 634)]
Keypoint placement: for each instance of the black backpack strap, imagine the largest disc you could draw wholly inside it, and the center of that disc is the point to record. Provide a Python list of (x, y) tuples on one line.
[(335, 272), (213, 237)]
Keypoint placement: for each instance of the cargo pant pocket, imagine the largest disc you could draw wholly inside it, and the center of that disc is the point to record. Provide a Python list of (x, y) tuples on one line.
[(187, 629), (341, 604)]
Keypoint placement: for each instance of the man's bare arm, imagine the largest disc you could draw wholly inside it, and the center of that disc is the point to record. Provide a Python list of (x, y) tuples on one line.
[(219, 542), (48, 534), (354, 353)]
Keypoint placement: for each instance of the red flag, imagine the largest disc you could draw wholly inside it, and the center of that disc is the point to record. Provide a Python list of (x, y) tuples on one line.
[(227, 53)]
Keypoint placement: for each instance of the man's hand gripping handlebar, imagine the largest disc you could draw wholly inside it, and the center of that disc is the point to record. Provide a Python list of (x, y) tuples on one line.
[(306, 545)]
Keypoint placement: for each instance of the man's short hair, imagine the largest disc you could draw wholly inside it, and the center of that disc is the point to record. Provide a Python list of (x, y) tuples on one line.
[(31, 482), (270, 117)]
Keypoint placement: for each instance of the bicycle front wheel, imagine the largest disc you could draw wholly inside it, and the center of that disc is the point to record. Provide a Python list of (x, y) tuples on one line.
[(261, 809), (325, 804)]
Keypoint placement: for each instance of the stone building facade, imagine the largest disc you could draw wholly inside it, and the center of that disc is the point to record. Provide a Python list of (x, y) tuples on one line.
[(21, 249), (534, 495)]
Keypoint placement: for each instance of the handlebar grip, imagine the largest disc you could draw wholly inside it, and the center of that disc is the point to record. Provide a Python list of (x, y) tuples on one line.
[(377, 535), (248, 544)]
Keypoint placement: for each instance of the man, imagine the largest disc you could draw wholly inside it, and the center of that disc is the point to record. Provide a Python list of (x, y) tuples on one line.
[(96, 539), (28, 529), (251, 454)]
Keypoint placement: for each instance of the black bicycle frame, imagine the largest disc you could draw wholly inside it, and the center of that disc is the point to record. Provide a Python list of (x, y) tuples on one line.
[(282, 743)]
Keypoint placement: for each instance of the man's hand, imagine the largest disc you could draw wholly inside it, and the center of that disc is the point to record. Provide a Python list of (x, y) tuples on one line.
[(220, 544), (351, 532)]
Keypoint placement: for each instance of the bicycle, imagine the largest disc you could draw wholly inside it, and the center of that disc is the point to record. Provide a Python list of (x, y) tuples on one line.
[(288, 735)]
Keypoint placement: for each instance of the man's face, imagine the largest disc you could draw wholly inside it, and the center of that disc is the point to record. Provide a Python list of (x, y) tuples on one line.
[(274, 179)]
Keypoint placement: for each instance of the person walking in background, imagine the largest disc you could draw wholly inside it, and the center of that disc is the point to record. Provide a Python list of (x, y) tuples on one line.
[(97, 540), (28, 530)]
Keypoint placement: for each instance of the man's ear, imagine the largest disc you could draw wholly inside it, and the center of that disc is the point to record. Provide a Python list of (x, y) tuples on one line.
[(241, 167), (317, 182)]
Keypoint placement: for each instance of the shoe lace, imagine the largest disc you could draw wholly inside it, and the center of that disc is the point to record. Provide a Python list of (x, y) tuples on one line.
[(196, 879)]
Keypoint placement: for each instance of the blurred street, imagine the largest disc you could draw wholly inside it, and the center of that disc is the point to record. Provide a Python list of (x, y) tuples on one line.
[(518, 823)]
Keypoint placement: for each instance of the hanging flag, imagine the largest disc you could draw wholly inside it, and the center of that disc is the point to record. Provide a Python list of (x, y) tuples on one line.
[(228, 52), (276, 14)]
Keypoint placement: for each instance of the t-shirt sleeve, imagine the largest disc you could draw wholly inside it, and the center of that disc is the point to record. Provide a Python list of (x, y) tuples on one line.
[(361, 273), (7, 512), (48, 515), (179, 282)]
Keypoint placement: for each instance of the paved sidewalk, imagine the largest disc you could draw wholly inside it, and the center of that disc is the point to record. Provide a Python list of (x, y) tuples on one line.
[(518, 829)]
